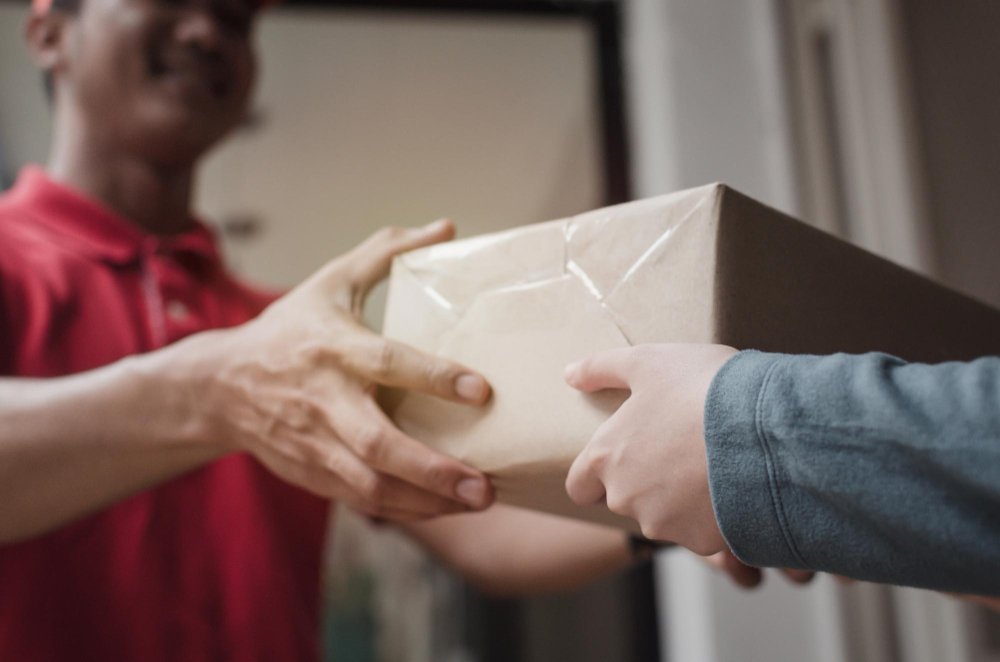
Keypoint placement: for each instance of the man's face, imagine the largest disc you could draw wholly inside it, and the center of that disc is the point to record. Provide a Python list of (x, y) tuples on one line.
[(164, 78)]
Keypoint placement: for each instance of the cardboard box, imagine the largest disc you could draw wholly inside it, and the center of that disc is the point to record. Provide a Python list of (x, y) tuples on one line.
[(702, 265)]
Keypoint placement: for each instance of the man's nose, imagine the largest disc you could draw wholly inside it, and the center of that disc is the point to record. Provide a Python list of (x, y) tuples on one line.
[(198, 25)]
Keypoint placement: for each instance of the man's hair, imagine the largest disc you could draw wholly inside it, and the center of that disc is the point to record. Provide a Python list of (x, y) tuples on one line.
[(67, 7)]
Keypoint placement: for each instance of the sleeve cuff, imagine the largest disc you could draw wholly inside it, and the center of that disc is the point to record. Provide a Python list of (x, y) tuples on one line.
[(744, 480)]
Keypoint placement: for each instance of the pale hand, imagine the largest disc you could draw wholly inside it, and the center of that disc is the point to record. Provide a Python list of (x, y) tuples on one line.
[(648, 461), (295, 388), (747, 576)]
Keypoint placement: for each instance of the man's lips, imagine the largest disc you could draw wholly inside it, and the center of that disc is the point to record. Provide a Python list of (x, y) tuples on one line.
[(195, 82), (194, 75)]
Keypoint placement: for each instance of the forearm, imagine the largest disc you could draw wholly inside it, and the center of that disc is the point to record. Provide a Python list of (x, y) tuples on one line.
[(860, 465), (72, 445), (510, 551)]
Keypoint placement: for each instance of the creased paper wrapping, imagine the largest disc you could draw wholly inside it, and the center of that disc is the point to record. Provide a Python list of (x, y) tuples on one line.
[(702, 265)]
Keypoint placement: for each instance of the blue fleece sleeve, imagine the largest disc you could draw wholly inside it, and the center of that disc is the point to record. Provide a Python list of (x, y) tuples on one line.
[(861, 465)]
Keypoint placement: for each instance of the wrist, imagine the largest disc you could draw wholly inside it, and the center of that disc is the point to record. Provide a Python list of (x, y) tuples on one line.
[(174, 385)]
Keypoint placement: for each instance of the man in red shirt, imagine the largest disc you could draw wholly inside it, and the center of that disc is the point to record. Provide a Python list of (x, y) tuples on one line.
[(152, 507), (221, 562)]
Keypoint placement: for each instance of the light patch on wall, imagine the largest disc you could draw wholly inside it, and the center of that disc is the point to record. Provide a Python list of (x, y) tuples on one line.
[(370, 119)]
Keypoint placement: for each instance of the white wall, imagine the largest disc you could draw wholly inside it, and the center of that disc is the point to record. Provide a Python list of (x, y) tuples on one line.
[(24, 115), (709, 100), (954, 55), (376, 119)]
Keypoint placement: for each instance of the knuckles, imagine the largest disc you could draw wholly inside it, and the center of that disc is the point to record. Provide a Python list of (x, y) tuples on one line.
[(391, 234), (383, 361), (619, 502), (655, 531), (439, 376), (575, 495), (314, 353), (373, 491), (378, 243), (702, 547), (438, 474), (588, 467), (704, 540), (369, 443)]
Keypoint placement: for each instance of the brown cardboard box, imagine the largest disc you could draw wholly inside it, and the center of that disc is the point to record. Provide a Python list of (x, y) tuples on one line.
[(702, 265)]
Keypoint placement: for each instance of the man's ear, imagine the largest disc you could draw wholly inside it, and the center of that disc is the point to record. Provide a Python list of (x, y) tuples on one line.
[(46, 35)]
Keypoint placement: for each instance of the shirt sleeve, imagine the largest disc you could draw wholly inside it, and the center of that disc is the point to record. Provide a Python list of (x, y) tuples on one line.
[(861, 465)]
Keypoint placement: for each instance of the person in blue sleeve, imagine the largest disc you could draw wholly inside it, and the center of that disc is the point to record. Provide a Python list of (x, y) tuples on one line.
[(860, 465)]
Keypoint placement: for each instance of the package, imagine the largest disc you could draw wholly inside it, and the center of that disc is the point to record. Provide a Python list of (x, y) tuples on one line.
[(703, 265)]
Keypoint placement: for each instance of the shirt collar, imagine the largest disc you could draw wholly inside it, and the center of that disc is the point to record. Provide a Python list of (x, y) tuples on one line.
[(92, 228)]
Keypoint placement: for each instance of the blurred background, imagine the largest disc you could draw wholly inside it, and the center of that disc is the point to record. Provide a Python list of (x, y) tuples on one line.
[(876, 120)]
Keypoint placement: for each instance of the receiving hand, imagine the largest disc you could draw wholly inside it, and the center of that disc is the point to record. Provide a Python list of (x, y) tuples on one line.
[(648, 460), (747, 576), (295, 388)]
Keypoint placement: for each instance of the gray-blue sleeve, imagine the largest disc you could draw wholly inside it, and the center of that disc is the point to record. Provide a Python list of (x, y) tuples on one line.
[(861, 465)]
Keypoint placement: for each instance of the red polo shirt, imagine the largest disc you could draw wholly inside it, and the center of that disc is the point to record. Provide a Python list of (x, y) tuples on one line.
[(220, 564)]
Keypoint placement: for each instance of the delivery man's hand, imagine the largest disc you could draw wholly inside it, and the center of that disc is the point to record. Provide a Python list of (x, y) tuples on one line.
[(295, 388), (648, 461)]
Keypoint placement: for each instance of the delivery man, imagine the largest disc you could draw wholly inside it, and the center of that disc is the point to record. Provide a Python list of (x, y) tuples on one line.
[(172, 505)]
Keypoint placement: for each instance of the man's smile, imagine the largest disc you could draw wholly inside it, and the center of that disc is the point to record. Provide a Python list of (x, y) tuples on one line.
[(192, 73)]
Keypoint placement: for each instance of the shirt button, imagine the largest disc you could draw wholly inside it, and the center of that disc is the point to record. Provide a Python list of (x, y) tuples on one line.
[(177, 311)]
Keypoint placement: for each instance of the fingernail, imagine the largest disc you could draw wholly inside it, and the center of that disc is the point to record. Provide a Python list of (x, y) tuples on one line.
[(472, 491), (569, 374), (471, 387)]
